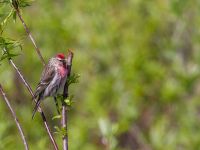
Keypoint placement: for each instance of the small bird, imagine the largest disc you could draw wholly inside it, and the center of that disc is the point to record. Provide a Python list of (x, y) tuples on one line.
[(52, 81)]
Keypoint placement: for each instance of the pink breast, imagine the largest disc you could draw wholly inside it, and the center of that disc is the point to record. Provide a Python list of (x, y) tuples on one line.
[(63, 71)]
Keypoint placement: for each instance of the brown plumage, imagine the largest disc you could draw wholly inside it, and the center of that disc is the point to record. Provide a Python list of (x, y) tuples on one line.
[(52, 81)]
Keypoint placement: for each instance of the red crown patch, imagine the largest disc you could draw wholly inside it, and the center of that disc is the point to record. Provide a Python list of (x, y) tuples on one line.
[(61, 56)]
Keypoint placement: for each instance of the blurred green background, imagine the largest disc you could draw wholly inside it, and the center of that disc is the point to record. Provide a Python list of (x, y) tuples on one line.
[(139, 72)]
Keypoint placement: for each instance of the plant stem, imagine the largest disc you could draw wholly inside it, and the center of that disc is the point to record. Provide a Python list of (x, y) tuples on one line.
[(64, 106), (16, 7), (64, 126), (39, 108), (30, 35), (15, 118)]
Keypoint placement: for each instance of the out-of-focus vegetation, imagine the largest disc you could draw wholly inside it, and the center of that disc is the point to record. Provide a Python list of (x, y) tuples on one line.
[(139, 65)]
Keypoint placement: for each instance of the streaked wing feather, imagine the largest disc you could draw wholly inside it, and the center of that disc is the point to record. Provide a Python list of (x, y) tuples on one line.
[(47, 76)]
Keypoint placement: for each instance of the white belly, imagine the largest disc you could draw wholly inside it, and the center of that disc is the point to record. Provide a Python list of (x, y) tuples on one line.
[(55, 87)]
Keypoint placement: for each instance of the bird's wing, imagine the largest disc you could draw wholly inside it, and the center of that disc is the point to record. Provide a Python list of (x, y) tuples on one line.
[(47, 76)]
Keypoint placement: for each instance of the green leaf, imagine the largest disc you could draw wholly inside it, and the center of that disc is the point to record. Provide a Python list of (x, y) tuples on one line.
[(56, 117), (9, 43), (14, 16), (24, 3), (67, 101), (8, 56), (58, 130), (4, 22), (73, 79), (5, 1), (64, 131)]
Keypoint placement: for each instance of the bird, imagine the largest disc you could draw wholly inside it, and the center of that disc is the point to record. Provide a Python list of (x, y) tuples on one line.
[(52, 81)]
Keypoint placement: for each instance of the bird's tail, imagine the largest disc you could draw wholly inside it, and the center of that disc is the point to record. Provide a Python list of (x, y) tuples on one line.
[(36, 107)]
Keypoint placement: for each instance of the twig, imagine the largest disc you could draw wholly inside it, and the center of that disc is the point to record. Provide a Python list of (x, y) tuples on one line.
[(15, 5), (15, 118), (64, 107), (39, 108)]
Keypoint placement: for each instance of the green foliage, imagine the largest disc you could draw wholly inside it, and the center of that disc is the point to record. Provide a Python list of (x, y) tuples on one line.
[(7, 45), (5, 20), (73, 79), (61, 131), (24, 3), (69, 101), (14, 16), (5, 1), (20, 3), (56, 117), (139, 64)]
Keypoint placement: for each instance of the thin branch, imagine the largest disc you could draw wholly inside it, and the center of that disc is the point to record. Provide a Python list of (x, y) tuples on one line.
[(64, 126), (39, 108), (15, 5), (15, 118), (64, 107)]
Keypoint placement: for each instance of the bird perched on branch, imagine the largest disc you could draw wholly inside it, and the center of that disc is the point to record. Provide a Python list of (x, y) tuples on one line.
[(52, 81)]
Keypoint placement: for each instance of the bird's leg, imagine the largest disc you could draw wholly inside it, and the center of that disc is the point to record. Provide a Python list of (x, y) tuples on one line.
[(57, 106)]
